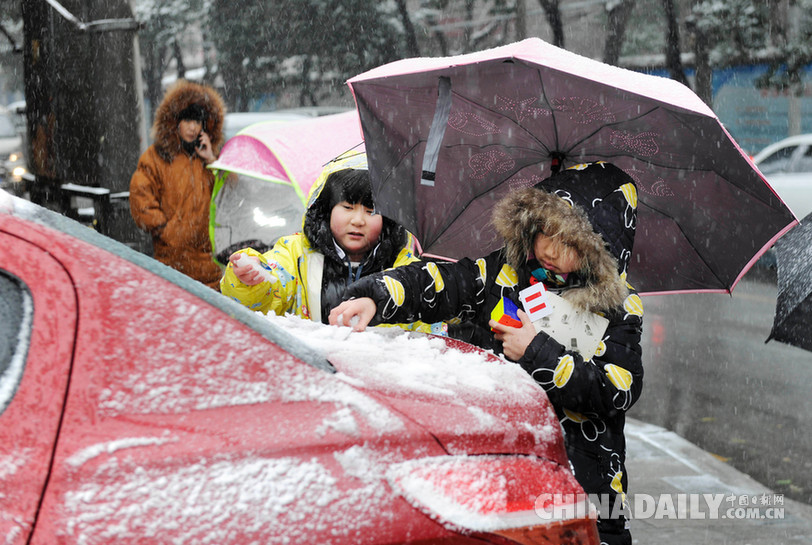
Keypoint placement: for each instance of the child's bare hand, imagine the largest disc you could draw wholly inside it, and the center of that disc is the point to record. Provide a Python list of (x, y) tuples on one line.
[(246, 268), (356, 313), (515, 340)]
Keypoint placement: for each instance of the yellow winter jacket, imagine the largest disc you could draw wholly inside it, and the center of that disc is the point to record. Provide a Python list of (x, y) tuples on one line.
[(298, 269), (303, 267)]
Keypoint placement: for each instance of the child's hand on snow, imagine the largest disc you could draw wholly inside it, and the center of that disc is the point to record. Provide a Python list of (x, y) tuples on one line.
[(249, 270), (355, 313)]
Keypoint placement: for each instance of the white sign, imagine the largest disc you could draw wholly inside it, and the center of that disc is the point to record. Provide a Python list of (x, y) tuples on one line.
[(535, 302)]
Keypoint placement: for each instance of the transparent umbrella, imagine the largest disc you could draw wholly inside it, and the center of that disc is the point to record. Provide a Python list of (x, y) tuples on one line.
[(264, 174)]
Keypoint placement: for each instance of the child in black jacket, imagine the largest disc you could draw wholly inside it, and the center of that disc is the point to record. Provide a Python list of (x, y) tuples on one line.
[(574, 233)]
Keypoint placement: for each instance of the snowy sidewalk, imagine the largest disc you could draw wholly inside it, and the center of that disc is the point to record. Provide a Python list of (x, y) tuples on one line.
[(682, 494)]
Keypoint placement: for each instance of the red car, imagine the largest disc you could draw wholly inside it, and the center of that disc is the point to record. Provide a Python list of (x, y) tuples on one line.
[(138, 406)]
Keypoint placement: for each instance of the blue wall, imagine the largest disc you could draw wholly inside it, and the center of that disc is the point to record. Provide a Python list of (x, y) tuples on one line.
[(755, 118)]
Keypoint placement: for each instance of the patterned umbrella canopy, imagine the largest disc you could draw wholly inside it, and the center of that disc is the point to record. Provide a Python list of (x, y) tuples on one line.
[(446, 138)]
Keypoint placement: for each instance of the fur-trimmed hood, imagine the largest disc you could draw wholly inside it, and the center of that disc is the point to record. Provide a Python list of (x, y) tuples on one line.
[(178, 97), (592, 208)]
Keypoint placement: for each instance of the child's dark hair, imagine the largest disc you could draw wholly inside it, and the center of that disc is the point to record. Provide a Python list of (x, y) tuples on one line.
[(349, 185)]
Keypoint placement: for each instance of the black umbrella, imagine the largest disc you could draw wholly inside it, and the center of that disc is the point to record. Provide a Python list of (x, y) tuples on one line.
[(793, 309)]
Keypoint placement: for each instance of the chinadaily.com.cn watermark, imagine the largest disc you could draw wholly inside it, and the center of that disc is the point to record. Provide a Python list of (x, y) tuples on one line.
[(662, 506)]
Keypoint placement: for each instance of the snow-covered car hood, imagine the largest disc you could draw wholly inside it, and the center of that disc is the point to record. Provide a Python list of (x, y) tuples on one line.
[(489, 405)]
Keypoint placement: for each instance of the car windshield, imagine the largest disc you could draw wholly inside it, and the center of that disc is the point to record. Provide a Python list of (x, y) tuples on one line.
[(778, 161), (7, 126)]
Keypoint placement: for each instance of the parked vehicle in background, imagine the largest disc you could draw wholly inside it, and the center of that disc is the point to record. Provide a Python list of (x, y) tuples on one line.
[(236, 121), (787, 166), (139, 406), (13, 166)]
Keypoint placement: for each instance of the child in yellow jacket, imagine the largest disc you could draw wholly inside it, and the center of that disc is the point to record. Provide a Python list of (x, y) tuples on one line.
[(343, 239)]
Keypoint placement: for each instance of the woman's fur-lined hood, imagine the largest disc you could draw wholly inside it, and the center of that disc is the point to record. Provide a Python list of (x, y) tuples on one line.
[(178, 97), (589, 207)]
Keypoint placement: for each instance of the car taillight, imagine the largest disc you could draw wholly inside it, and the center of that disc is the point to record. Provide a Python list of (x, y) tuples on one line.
[(496, 497)]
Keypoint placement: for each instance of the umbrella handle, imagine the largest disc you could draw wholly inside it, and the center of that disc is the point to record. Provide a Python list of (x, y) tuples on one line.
[(556, 162)]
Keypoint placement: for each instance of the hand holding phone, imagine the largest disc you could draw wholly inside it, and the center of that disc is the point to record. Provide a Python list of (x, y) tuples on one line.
[(203, 147)]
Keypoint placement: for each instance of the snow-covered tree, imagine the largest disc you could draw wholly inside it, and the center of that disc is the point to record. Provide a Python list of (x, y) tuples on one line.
[(462, 26), (166, 25), (308, 47), (793, 50)]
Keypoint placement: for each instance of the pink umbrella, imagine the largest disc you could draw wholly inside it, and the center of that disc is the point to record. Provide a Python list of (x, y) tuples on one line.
[(264, 174), (448, 137)]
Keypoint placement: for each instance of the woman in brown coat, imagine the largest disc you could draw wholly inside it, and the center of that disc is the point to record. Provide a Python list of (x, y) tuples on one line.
[(171, 187)]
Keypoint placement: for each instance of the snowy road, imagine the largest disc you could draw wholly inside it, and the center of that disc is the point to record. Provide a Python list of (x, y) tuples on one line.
[(711, 378)]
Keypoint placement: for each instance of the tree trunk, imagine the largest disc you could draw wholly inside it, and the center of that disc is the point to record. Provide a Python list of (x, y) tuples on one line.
[(178, 54), (442, 42), (521, 20), (703, 81), (618, 15), (83, 93), (469, 18), (672, 47), (307, 91), (408, 28), (38, 65), (153, 70), (553, 14)]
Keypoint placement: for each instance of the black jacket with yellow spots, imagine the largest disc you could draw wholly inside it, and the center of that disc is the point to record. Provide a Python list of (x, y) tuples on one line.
[(592, 208)]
